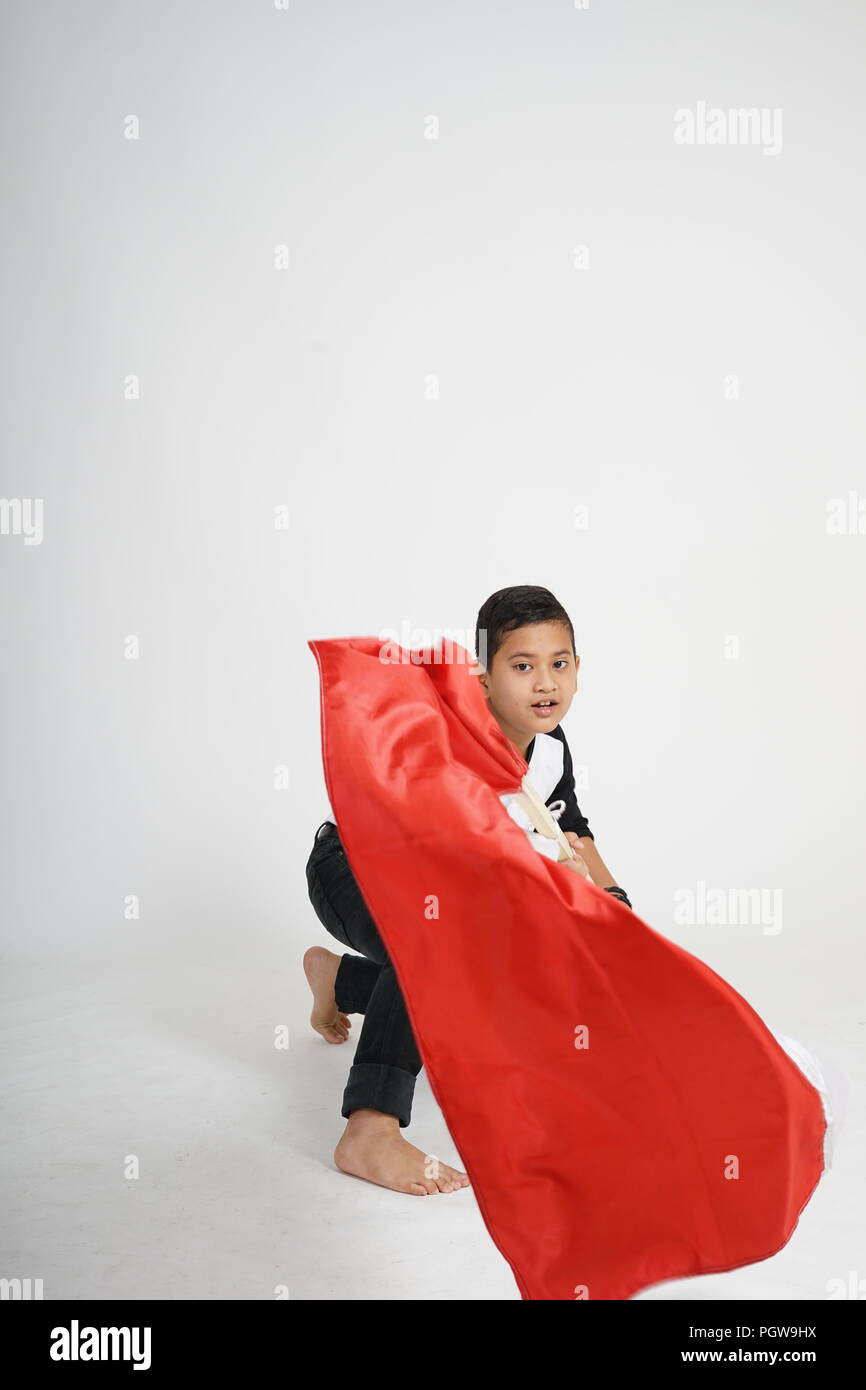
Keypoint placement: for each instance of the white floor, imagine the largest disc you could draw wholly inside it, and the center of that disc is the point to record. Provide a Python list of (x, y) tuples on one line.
[(136, 1051)]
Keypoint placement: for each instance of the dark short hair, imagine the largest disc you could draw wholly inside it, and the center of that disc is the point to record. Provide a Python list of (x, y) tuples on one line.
[(515, 607)]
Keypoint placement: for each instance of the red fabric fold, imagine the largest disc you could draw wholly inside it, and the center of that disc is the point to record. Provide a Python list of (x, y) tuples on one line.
[(682, 1139)]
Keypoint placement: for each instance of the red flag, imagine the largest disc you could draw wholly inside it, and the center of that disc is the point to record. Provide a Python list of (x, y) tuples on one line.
[(624, 1115)]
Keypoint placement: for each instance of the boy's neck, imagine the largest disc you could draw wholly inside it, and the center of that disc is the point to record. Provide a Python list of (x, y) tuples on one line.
[(520, 741)]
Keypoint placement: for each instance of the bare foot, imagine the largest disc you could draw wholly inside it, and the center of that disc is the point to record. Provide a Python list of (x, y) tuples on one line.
[(372, 1147), (320, 968)]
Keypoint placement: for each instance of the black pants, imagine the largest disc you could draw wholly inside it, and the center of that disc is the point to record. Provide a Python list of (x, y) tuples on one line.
[(386, 1062)]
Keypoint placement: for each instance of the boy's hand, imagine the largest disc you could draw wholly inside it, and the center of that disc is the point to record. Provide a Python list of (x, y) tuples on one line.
[(599, 873), (578, 863)]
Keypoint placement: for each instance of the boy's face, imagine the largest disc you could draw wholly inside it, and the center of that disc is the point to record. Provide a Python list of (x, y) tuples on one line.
[(531, 681)]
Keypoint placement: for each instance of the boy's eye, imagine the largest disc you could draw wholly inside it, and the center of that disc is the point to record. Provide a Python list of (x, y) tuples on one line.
[(560, 661)]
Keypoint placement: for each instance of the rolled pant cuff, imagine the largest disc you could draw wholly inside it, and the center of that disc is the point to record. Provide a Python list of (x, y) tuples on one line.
[(376, 1086)]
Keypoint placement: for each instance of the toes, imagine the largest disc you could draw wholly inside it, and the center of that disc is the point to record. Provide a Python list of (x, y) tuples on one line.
[(445, 1178), (330, 1032)]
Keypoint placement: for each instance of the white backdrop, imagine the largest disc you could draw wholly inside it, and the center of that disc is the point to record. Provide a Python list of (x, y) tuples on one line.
[(439, 281)]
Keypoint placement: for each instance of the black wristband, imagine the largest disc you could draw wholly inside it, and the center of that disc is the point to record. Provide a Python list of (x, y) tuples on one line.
[(619, 893)]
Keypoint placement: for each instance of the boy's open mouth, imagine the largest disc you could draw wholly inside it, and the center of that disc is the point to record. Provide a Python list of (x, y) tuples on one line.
[(544, 707)]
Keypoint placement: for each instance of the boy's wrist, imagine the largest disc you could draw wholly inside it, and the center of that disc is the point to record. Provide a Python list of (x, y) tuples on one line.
[(619, 893)]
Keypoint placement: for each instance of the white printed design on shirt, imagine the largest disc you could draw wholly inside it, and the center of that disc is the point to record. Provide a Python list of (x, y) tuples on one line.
[(545, 772)]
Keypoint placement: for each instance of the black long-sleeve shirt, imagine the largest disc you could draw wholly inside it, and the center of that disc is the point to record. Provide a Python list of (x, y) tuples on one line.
[(551, 773)]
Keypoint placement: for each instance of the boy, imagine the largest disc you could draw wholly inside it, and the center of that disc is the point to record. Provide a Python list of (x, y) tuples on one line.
[(528, 673), (530, 682)]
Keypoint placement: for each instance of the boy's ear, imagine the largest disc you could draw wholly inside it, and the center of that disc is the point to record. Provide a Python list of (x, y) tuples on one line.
[(479, 671)]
